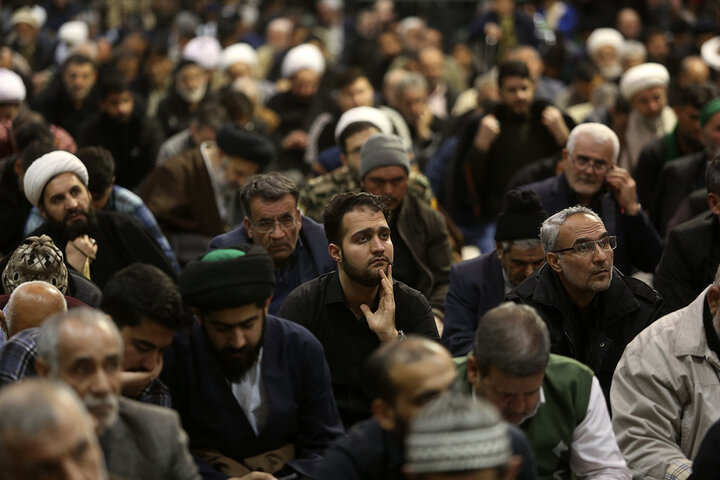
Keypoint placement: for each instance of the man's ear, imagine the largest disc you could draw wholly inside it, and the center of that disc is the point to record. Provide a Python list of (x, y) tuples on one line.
[(384, 414), (553, 259), (3, 325), (498, 249), (713, 298), (299, 218), (473, 372), (343, 160), (335, 252), (267, 303), (248, 230), (513, 467), (713, 201), (17, 167), (41, 367)]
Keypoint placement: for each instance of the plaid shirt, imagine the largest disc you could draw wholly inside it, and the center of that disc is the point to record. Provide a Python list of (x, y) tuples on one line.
[(17, 361)]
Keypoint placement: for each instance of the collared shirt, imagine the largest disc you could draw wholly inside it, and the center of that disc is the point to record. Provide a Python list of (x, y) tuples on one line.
[(319, 305), (251, 396)]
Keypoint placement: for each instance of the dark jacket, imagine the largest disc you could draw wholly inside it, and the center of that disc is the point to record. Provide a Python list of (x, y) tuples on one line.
[(689, 262), (58, 109), (476, 286), (639, 244), (14, 207), (309, 260), (425, 233), (614, 317)]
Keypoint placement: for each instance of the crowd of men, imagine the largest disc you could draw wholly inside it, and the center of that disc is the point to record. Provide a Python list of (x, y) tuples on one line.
[(359, 240)]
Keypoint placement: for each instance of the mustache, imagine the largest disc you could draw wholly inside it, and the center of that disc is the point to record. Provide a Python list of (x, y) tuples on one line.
[(381, 257)]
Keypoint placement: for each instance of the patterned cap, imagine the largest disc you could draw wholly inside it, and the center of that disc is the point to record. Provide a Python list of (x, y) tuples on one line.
[(37, 258)]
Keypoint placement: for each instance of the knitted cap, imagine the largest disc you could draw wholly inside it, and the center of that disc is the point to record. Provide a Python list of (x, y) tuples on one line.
[(382, 150), (37, 258), (521, 216)]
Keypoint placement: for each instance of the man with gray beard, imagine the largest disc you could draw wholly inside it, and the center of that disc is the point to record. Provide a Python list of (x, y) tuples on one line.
[(84, 349), (177, 110)]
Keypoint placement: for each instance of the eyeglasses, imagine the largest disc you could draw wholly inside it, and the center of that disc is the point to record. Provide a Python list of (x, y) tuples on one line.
[(267, 225), (582, 161), (587, 248)]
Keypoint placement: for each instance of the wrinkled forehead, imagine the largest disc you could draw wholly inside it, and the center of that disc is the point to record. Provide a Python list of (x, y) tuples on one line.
[(581, 226)]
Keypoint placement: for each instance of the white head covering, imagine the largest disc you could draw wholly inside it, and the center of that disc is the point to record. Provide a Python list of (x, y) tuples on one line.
[(601, 37), (33, 16), (238, 53), (363, 114), (203, 50), (710, 52), (74, 32), (48, 166), (12, 88), (305, 56), (643, 76)]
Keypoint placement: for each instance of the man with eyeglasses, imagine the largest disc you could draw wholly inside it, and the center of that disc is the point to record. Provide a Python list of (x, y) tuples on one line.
[(591, 309), (592, 178), (296, 243)]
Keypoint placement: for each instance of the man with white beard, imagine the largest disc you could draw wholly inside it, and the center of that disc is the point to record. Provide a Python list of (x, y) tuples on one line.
[(84, 349), (177, 110)]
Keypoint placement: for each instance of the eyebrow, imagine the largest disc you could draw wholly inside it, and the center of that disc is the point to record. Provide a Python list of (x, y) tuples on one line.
[(238, 324), (587, 239), (144, 343)]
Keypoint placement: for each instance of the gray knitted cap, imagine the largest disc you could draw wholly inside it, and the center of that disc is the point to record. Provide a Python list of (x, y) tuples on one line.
[(383, 150)]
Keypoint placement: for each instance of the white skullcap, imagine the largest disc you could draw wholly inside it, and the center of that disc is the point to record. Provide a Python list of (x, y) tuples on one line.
[(238, 53), (281, 24), (710, 52), (73, 33), (411, 23), (46, 168), (33, 16), (203, 50), (643, 76), (601, 37), (363, 114), (305, 56), (12, 88)]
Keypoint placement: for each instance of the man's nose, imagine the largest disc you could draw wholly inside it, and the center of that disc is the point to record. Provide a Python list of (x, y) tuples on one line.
[(237, 340), (101, 383)]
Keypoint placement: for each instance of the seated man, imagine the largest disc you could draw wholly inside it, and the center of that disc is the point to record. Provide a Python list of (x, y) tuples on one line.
[(355, 309), (592, 178), (591, 309), (253, 390), (96, 244), (83, 349), (479, 284), (665, 394), (555, 400), (420, 239), (45, 429), (296, 243), (403, 377)]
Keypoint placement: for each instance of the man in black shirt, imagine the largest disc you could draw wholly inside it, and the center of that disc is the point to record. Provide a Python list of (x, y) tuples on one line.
[(357, 307)]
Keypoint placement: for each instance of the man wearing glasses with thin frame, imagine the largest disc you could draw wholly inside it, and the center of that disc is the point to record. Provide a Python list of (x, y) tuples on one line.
[(591, 309), (297, 244), (592, 178)]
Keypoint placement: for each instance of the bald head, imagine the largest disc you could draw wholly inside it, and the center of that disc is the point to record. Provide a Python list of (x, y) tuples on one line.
[(693, 71), (30, 304), (432, 65)]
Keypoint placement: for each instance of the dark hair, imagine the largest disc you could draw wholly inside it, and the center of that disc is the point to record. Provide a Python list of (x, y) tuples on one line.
[(28, 132), (352, 129), (144, 291), (712, 176), (347, 202), (238, 105), (211, 115), (268, 186), (100, 166), (34, 150), (695, 96), (111, 83), (350, 76), (512, 69), (585, 72), (77, 59)]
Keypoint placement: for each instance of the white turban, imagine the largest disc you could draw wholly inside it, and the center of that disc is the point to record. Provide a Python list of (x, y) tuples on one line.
[(74, 32), (46, 168), (602, 37), (363, 114), (238, 53), (305, 56), (710, 52), (641, 77), (203, 50), (33, 16), (12, 88)]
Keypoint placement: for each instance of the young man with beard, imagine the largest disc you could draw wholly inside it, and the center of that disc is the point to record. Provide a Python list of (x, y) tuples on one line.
[(96, 244), (253, 390), (358, 307), (83, 348)]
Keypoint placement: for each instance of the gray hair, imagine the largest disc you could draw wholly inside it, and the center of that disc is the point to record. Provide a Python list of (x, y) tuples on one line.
[(512, 338), (522, 243), (30, 408), (12, 305), (597, 132), (48, 339), (633, 49), (268, 186), (411, 80), (550, 228)]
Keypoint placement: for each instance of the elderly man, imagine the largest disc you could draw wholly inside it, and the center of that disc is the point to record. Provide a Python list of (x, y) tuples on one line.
[(403, 377), (29, 304), (604, 46), (645, 88), (84, 349), (47, 434), (253, 390), (96, 244), (591, 309), (665, 394), (592, 178), (358, 307), (556, 401), (423, 255), (296, 243), (196, 195), (479, 284), (175, 112)]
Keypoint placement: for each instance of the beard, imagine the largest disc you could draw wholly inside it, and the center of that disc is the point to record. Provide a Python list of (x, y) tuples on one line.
[(236, 362), (72, 229), (368, 275), (191, 95), (104, 408)]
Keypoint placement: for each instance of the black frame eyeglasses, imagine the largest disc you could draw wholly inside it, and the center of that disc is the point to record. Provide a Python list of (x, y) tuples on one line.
[(606, 244), (267, 225)]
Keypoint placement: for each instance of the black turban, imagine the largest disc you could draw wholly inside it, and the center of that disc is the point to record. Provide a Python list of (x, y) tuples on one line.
[(238, 142)]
